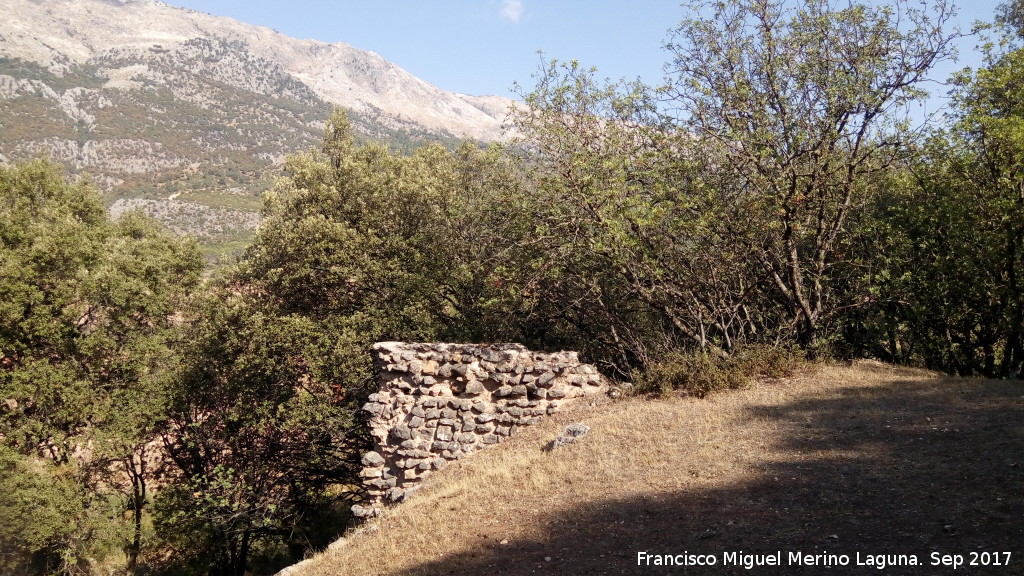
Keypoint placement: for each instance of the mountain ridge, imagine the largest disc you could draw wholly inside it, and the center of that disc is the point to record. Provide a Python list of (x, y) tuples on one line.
[(337, 72), (171, 105)]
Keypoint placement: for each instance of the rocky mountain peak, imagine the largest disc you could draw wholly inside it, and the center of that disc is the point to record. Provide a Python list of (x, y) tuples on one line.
[(57, 33)]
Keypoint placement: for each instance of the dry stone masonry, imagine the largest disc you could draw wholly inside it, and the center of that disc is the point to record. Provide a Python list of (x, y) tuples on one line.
[(440, 402)]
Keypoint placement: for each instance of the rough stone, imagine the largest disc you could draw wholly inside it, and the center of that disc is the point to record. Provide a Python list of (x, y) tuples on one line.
[(403, 432), (571, 433), (444, 433), (373, 407), (371, 472), (360, 511), (372, 459)]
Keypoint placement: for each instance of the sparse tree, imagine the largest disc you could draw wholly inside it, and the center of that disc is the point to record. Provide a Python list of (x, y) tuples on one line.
[(808, 100)]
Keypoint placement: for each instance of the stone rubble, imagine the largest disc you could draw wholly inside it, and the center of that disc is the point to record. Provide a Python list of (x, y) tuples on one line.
[(571, 433)]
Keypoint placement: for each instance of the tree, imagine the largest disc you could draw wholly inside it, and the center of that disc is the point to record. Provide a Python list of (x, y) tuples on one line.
[(807, 101), (628, 238), (86, 320), (357, 245), (955, 239)]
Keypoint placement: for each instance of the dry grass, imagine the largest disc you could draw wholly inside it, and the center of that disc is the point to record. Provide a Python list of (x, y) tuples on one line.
[(867, 459)]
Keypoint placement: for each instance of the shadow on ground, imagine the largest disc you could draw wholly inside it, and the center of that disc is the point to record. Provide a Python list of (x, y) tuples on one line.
[(911, 468)]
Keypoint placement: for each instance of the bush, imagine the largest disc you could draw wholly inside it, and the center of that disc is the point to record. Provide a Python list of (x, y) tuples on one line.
[(699, 373)]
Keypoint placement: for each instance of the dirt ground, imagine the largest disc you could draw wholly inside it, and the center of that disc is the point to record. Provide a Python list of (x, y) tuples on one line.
[(869, 464)]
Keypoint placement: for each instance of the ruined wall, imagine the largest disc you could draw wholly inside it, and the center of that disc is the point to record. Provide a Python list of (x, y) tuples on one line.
[(439, 402)]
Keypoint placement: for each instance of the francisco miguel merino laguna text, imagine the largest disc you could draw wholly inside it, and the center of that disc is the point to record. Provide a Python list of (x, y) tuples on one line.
[(750, 561)]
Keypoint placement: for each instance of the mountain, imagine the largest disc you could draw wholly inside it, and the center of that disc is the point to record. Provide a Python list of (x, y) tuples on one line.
[(166, 104)]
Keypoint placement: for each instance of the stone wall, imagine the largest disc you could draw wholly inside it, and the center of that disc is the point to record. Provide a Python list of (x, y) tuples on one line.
[(440, 402)]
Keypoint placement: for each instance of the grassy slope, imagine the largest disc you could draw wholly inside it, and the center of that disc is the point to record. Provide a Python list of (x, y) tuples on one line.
[(866, 459)]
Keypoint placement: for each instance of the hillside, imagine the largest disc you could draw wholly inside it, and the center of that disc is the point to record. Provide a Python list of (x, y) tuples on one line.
[(870, 460), (159, 102)]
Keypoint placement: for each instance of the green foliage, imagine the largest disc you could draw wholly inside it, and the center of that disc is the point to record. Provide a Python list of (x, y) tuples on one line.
[(950, 240), (719, 211), (699, 373), (264, 429), (807, 102), (38, 510), (85, 327)]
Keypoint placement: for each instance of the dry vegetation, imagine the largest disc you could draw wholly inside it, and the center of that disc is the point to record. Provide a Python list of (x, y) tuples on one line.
[(868, 459)]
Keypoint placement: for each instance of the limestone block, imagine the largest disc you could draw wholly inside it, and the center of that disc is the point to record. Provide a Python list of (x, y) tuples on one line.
[(403, 432), (557, 391), (371, 472), (444, 433), (429, 367), (372, 459)]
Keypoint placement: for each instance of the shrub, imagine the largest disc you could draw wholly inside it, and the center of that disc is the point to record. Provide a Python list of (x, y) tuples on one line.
[(699, 373)]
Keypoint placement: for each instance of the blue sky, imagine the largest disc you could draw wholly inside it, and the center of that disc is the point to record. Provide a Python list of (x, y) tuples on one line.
[(483, 46)]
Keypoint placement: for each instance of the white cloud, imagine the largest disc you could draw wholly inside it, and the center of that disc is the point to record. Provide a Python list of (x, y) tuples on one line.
[(512, 10)]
